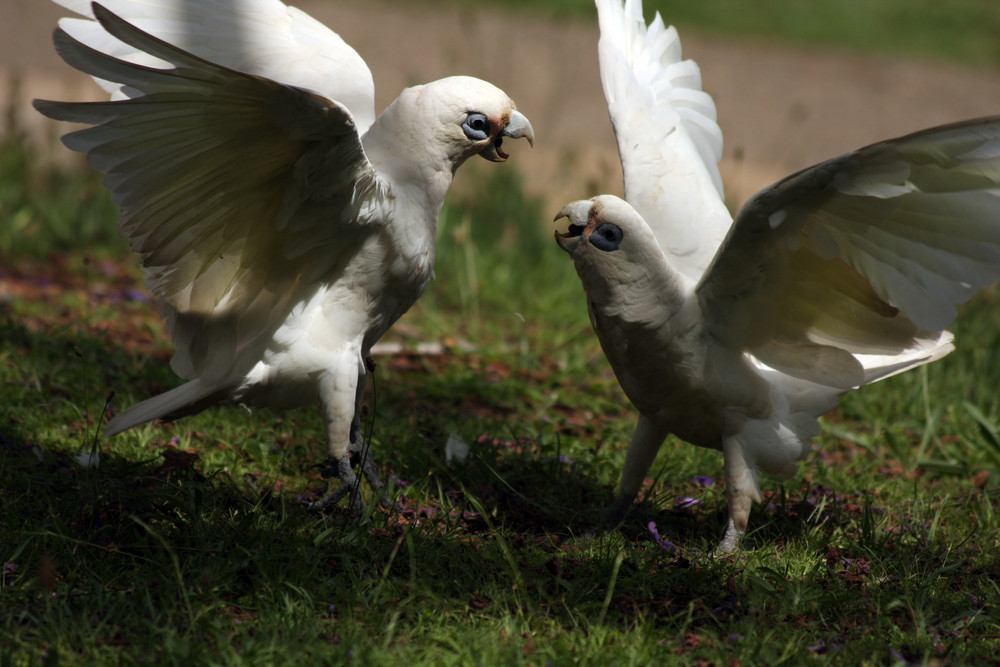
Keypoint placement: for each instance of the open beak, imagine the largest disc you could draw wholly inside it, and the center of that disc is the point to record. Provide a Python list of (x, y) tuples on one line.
[(578, 213), (516, 128)]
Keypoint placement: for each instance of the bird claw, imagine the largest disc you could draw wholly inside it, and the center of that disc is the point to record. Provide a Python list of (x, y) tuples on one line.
[(730, 541), (349, 482), (349, 486)]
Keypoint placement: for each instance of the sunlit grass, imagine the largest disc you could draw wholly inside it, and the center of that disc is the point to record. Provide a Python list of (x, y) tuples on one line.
[(186, 544)]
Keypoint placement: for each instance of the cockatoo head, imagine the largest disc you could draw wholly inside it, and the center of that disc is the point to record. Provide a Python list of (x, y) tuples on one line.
[(615, 254), (465, 116), (607, 232), (624, 272)]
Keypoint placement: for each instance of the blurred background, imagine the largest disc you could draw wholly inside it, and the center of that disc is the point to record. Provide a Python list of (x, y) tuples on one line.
[(794, 82)]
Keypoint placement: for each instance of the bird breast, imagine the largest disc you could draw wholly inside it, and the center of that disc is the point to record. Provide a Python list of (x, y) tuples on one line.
[(660, 367), (669, 369)]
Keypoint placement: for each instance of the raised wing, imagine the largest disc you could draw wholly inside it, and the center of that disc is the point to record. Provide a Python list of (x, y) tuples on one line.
[(668, 139), (239, 192), (865, 254), (261, 37)]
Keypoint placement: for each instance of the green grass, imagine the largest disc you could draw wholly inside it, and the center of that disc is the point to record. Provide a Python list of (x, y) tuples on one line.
[(963, 31), (187, 545), (49, 210)]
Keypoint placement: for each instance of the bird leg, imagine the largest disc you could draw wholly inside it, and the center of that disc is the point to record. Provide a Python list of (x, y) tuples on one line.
[(368, 468), (741, 491), (337, 394), (358, 444), (646, 440), (342, 395)]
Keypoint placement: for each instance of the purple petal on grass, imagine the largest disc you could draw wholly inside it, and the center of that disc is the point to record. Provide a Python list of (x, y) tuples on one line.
[(703, 480), (687, 502), (664, 544), (652, 528)]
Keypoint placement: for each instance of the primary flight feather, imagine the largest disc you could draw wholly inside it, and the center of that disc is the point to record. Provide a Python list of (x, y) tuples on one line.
[(737, 334), (283, 227)]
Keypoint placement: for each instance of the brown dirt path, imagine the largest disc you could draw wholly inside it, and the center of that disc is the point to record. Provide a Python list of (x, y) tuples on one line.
[(780, 108)]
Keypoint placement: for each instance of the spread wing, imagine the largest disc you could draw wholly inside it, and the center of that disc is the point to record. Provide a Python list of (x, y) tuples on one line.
[(865, 254), (238, 192), (668, 138), (261, 37)]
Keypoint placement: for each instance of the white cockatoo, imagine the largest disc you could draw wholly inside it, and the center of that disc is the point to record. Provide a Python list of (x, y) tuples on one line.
[(283, 227), (738, 334)]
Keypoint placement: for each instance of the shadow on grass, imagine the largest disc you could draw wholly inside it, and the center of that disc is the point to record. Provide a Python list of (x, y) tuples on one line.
[(161, 519), (161, 543)]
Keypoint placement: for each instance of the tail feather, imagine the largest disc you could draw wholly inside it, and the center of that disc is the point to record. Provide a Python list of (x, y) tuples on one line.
[(186, 399)]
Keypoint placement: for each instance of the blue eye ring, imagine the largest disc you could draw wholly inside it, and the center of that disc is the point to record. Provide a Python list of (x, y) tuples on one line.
[(607, 237), (477, 126)]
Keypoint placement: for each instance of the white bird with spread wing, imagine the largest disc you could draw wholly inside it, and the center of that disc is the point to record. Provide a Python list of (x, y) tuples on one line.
[(738, 334), (282, 225)]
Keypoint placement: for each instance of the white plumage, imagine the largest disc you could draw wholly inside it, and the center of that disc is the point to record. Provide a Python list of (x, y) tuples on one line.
[(282, 225), (738, 334)]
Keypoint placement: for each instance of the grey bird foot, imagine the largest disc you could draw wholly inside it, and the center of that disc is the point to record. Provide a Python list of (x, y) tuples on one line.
[(730, 541), (349, 486), (349, 482), (614, 514)]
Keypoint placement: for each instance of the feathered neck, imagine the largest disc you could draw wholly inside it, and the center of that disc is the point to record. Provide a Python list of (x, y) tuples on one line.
[(403, 149)]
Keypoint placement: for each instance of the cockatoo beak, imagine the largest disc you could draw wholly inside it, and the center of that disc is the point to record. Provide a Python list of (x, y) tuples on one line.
[(578, 213), (517, 127)]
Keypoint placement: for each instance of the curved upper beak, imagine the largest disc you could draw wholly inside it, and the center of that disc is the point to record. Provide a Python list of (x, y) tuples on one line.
[(578, 213), (519, 126)]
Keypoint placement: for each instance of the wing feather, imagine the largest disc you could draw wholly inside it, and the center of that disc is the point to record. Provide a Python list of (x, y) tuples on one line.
[(217, 174), (862, 258), (261, 37), (668, 138)]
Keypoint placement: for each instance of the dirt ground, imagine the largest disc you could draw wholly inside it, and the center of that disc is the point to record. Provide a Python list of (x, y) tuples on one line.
[(780, 108)]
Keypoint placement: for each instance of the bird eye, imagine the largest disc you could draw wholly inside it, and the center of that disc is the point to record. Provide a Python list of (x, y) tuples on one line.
[(607, 237), (476, 126)]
